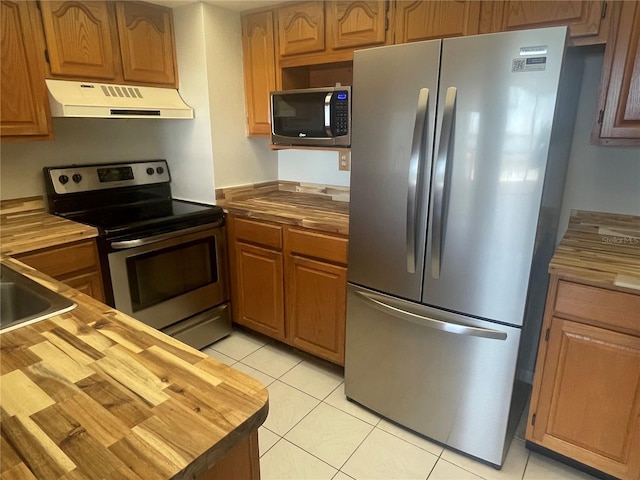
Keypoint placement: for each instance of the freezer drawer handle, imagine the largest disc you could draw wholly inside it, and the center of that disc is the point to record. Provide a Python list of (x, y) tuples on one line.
[(440, 181), (415, 170), (421, 320)]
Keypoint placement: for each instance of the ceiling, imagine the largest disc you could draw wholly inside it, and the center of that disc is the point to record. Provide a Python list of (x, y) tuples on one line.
[(236, 5)]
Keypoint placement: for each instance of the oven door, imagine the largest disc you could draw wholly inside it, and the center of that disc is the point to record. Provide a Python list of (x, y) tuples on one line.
[(163, 279)]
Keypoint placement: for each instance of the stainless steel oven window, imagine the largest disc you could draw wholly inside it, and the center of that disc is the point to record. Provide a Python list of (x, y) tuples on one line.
[(160, 275)]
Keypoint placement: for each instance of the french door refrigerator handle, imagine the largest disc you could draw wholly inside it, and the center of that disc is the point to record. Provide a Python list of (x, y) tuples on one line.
[(439, 181), (415, 163), (429, 322), (327, 114)]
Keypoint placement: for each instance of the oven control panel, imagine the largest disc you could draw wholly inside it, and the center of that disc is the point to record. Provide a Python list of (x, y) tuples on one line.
[(85, 178)]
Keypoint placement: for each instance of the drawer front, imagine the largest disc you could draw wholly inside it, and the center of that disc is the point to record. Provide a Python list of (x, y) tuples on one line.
[(257, 232), (317, 245), (61, 261), (605, 307)]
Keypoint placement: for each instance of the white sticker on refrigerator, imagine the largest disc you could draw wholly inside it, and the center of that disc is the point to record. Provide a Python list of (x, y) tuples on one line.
[(530, 64)]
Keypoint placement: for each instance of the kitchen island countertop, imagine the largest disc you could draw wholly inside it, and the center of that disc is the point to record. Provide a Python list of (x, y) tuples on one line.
[(93, 393), (600, 248), (306, 210)]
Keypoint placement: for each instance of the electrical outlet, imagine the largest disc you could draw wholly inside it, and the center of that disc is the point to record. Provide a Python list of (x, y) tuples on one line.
[(344, 160)]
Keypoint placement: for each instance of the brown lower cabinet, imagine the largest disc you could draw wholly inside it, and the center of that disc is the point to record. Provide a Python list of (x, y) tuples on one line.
[(242, 462), (290, 283), (76, 264), (586, 394)]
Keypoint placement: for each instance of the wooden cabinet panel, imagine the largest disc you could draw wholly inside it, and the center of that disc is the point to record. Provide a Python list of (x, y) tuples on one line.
[(76, 264), (88, 283), (146, 43), (316, 245), (259, 288), (79, 39), (316, 307), (619, 102), (24, 102), (428, 20), (261, 233), (584, 17), (301, 28), (357, 23), (242, 462), (589, 398), (616, 310), (258, 59)]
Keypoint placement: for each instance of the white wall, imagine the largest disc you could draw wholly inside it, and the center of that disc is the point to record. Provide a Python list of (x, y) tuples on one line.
[(77, 141), (603, 179), (212, 151), (311, 166)]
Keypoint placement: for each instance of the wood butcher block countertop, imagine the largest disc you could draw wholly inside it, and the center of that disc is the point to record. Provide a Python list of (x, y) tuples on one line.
[(93, 393), (306, 210), (600, 248), (25, 226)]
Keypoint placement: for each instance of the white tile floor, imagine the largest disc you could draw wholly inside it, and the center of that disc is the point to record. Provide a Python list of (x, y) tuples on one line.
[(314, 432)]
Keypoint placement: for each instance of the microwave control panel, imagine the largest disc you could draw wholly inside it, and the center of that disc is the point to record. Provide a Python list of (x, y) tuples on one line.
[(341, 112)]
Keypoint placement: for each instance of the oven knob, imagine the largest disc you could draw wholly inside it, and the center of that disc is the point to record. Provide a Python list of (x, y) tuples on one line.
[(160, 170), (63, 179), (76, 177), (150, 171)]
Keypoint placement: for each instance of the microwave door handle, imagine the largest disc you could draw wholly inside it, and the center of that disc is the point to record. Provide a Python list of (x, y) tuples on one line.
[(327, 114)]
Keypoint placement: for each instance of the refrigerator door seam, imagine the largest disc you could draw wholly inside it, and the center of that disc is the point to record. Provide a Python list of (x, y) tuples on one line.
[(455, 328), (415, 168)]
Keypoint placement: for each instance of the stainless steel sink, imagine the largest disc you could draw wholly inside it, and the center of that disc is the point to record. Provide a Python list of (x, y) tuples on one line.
[(23, 301)]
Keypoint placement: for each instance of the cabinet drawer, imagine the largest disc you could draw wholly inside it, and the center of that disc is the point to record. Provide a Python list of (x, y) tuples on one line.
[(316, 245), (63, 260), (261, 233), (605, 307)]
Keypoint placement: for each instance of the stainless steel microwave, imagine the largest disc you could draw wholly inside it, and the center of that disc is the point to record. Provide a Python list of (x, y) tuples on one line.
[(318, 117)]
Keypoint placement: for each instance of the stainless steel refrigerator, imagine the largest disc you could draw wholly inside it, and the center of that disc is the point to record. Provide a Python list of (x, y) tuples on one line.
[(459, 152)]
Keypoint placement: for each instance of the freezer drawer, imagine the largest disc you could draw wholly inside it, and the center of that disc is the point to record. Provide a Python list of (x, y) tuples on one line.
[(446, 376)]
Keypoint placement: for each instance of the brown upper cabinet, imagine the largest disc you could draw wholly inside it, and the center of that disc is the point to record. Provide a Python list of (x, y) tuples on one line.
[(587, 19), (421, 20), (146, 43), (258, 59), (357, 24), (80, 39), (300, 28), (24, 105), (119, 42), (618, 122)]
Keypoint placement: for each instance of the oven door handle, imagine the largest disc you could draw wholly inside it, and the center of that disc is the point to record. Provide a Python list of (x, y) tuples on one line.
[(140, 242)]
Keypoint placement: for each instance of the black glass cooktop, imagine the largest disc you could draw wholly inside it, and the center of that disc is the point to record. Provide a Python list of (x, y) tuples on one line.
[(111, 220)]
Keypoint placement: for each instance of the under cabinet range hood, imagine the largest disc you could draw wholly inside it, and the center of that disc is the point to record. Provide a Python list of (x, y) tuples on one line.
[(103, 100)]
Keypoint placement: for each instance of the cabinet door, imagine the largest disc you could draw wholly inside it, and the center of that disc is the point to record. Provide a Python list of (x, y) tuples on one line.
[(146, 43), (590, 398), (24, 103), (259, 289), (79, 39), (428, 20), (258, 58), (584, 17), (88, 283), (357, 23), (619, 121), (316, 307), (301, 28)]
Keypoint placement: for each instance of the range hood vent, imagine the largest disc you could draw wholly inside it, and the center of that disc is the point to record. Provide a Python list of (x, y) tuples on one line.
[(99, 100)]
